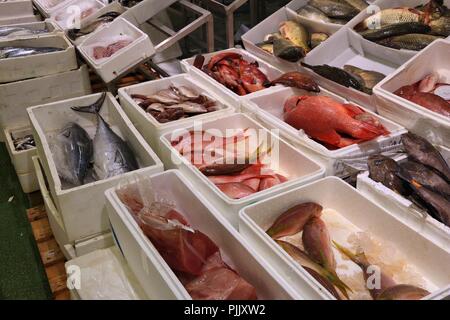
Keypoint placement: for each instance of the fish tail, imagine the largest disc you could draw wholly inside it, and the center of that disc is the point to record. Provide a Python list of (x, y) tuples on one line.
[(93, 108), (337, 282)]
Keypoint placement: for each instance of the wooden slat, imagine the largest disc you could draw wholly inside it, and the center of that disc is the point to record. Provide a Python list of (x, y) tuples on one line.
[(50, 252), (63, 295), (36, 213), (41, 230), (57, 277)]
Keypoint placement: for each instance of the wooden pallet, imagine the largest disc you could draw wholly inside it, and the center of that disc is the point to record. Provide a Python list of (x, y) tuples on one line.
[(51, 255)]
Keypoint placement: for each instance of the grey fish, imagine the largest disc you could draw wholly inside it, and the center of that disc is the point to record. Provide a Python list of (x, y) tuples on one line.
[(189, 107), (397, 29), (369, 78), (426, 177), (420, 150), (72, 152), (384, 170), (6, 32), (112, 156), (15, 52), (103, 19), (312, 13), (412, 41), (358, 4), (335, 8)]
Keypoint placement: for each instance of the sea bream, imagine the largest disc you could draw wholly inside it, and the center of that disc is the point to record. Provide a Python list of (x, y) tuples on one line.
[(112, 156)]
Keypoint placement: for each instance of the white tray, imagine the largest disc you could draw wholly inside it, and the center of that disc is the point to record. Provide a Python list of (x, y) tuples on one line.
[(68, 14), (16, 8)]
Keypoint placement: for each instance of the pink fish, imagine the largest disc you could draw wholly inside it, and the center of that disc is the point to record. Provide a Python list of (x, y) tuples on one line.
[(236, 190)]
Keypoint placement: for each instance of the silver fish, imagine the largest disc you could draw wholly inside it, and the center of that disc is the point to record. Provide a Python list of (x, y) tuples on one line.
[(7, 32), (112, 156), (72, 152), (15, 52), (313, 13)]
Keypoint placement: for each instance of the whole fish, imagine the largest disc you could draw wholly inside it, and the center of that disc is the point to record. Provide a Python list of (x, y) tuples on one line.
[(422, 151), (426, 177), (103, 19), (15, 52), (335, 8), (441, 26), (412, 41), (358, 4), (370, 78), (384, 170), (112, 156), (317, 243), (8, 32), (427, 100), (297, 34), (389, 17), (287, 50), (337, 75), (293, 220), (397, 29), (72, 152), (297, 80), (325, 277), (403, 292), (312, 13), (360, 259), (317, 38)]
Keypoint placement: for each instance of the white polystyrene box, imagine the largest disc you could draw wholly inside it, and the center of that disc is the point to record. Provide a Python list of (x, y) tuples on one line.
[(347, 47), (153, 273), (82, 208), (139, 50), (46, 7), (16, 8), (19, 95), (424, 122), (290, 162), (22, 160), (71, 14), (33, 66), (147, 125), (145, 10), (268, 109), (353, 213), (49, 25), (271, 25), (220, 90)]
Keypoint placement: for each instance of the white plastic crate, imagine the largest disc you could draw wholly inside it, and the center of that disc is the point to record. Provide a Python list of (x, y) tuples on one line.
[(220, 90), (268, 109), (270, 25), (48, 25), (46, 7), (71, 14), (33, 66), (16, 8), (17, 96), (82, 208), (291, 162), (139, 50), (147, 125), (346, 212), (347, 47), (153, 273), (24, 19), (432, 126), (22, 160)]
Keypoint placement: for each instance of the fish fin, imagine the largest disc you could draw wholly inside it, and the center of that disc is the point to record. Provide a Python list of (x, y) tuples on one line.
[(353, 110), (357, 258), (93, 108), (337, 282)]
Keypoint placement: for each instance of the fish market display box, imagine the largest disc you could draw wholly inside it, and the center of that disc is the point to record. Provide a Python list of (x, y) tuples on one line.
[(403, 251), (426, 123), (154, 274), (150, 128), (119, 62), (17, 96), (47, 7), (346, 47), (288, 161), (33, 66), (24, 19), (405, 210), (105, 276), (268, 110), (16, 8), (72, 14), (82, 208), (48, 25), (22, 159), (271, 25)]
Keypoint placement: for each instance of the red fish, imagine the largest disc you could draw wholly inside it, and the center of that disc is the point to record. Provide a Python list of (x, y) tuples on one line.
[(427, 100), (252, 78), (325, 119), (221, 56), (236, 190)]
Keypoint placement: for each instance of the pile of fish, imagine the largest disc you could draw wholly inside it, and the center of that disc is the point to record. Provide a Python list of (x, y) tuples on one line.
[(229, 162), (424, 177), (101, 52), (16, 52), (333, 124), (75, 153), (94, 25), (292, 42), (13, 31), (350, 77), (332, 11), (243, 77), (175, 103), (428, 93), (24, 143), (192, 255), (407, 28), (318, 259)]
